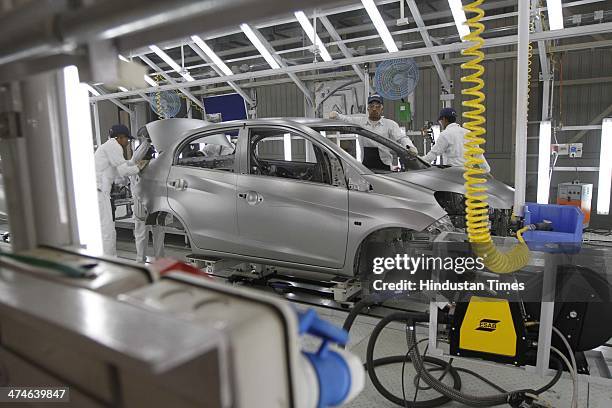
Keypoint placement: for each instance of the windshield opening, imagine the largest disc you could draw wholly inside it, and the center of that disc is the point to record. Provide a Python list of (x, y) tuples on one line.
[(377, 153)]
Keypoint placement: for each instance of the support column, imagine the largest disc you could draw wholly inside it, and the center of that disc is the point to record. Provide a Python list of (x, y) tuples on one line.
[(522, 86), (96, 118), (36, 167)]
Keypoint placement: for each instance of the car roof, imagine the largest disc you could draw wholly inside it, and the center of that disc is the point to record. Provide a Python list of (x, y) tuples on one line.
[(314, 122)]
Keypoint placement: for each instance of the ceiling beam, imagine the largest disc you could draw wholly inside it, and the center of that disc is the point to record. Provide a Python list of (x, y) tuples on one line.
[(301, 85), (232, 84), (419, 52), (416, 14), (343, 48), (180, 86)]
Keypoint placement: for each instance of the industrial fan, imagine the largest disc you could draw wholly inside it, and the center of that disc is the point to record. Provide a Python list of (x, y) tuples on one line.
[(396, 79), (166, 104)]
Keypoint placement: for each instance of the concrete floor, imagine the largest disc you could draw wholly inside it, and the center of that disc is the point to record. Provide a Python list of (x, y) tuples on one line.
[(393, 342)]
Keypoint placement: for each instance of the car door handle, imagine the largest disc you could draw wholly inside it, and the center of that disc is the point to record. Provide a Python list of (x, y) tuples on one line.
[(178, 184), (251, 197)]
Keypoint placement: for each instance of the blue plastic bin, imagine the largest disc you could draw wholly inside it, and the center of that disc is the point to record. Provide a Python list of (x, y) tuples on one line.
[(566, 222)]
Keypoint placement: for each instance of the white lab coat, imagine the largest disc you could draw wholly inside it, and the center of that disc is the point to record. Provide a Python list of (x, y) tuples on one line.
[(110, 164), (141, 232), (450, 146), (384, 127)]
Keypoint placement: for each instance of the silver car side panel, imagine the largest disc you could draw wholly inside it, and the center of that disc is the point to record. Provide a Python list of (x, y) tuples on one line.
[(451, 179), (307, 211), (292, 218)]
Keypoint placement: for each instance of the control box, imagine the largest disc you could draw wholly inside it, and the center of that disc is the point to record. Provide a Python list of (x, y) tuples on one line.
[(578, 195), (568, 149)]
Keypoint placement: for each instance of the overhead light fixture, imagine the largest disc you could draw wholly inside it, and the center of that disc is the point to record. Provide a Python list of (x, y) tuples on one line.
[(248, 31), (166, 58), (380, 25), (211, 54), (555, 14), (459, 17), (122, 58), (287, 146), (544, 163), (150, 81), (312, 35), (82, 161), (92, 90), (605, 168), (122, 89)]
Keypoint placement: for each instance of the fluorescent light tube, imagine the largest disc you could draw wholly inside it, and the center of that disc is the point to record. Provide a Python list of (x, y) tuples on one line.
[(82, 161), (122, 58), (287, 146), (605, 168), (150, 81), (161, 54), (459, 17), (92, 90), (555, 14), (211, 54), (380, 25), (248, 31), (122, 89), (310, 33), (544, 163)]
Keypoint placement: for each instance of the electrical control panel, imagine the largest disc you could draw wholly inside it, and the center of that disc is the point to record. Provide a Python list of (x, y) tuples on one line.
[(578, 195), (568, 149)]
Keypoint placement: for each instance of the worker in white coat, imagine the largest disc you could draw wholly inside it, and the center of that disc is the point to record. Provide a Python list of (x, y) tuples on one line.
[(373, 154), (141, 232), (110, 164), (450, 143)]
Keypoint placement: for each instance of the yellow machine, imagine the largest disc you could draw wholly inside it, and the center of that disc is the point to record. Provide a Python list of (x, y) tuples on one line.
[(489, 328)]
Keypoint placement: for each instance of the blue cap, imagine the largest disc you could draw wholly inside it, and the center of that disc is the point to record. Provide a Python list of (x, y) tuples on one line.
[(448, 113), (117, 130), (375, 98)]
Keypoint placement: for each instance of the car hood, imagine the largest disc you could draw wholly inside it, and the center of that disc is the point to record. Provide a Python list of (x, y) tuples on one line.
[(164, 133), (451, 179)]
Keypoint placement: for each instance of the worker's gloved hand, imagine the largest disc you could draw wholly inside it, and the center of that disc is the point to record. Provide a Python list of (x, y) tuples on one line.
[(333, 115), (142, 164), (412, 151)]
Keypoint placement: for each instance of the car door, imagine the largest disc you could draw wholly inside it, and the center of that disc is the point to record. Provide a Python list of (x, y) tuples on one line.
[(292, 204), (202, 188)]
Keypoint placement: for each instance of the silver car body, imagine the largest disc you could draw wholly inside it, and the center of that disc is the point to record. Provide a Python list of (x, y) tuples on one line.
[(286, 222)]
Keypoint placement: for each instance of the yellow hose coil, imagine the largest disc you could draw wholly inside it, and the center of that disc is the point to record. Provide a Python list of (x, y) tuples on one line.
[(160, 114), (477, 208)]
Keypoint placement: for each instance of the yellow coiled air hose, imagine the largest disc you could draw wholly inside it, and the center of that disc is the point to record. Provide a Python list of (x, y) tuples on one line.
[(477, 208), (160, 114)]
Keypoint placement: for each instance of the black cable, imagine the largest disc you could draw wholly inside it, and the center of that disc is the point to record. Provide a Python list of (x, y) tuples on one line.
[(406, 359), (481, 378), (418, 376), (554, 359), (448, 368), (371, 364)]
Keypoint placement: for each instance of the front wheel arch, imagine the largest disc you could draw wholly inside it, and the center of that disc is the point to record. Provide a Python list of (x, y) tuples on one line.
[(389, 235)]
